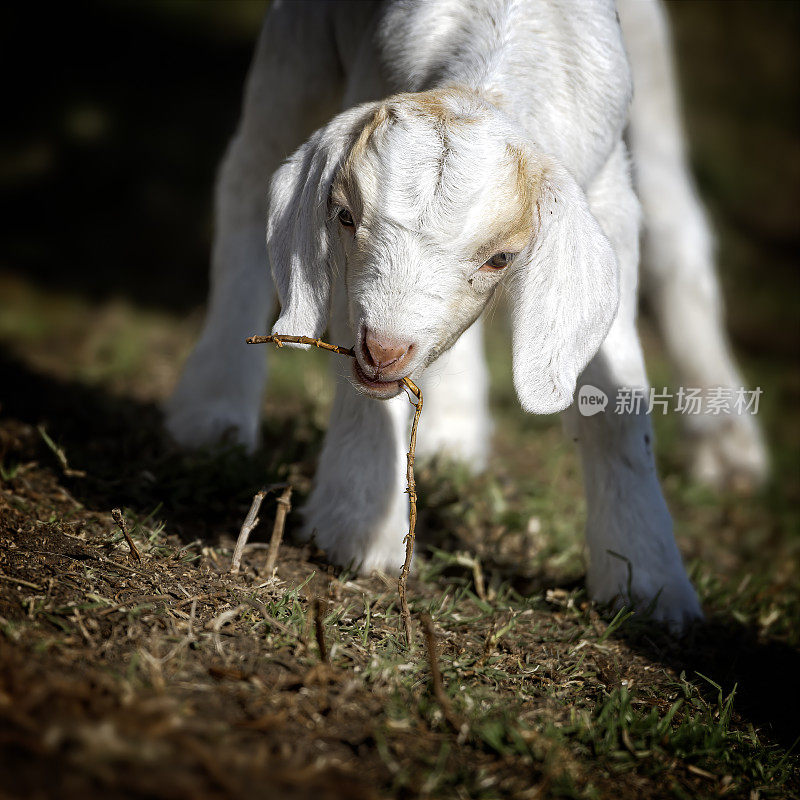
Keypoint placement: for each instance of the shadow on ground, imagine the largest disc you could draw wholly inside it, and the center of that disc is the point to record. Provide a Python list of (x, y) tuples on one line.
[(120, 445)]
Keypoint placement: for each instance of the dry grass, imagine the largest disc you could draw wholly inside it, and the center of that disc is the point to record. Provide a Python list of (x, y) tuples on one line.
[(173, 677)]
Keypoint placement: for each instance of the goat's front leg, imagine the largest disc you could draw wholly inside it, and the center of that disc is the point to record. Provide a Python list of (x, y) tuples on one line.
[(295, 83), (633, 557), (358, 509)]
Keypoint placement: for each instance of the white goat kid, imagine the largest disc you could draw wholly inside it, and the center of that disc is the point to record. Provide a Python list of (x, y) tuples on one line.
[(482, 143)]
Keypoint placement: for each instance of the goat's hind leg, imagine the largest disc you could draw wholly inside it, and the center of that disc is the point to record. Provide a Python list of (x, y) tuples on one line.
[(295, 84), (727, 448), (456, 424)]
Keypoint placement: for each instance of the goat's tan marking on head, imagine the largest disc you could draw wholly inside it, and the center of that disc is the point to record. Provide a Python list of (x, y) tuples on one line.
[(512, 230), (433, 105), (446, 111), (439, 105), (378, 118), (342, 190), (493, 96)]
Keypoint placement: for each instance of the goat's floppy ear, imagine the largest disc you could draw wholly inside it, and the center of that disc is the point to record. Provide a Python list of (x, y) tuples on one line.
[(566, 293), (298, 240)]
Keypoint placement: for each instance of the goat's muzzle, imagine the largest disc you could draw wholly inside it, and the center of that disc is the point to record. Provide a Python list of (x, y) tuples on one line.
[(381, 363)]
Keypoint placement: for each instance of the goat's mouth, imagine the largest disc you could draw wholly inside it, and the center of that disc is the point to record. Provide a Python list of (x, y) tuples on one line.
[(379, 389)]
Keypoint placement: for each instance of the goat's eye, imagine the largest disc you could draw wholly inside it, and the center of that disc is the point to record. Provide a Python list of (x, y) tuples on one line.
[(499, 261), (346, 218)]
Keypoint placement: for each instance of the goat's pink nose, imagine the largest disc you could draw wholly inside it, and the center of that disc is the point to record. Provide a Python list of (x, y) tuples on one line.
[(384, 351)]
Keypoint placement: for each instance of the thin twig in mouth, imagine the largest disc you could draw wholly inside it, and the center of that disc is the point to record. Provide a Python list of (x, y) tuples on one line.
[(280, 340), (415, 397)]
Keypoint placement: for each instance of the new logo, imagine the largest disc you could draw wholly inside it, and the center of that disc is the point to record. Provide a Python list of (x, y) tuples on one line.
[(591, 400)]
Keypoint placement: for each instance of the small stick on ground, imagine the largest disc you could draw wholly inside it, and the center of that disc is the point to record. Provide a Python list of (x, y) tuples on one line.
[(250, 522), (284, 507), (416, 401), (120, 520), (21, 582), (436, 676), (319, 631)]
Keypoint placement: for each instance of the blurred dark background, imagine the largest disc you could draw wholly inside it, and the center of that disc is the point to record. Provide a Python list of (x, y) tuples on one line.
[(116, 115), (118, 112)]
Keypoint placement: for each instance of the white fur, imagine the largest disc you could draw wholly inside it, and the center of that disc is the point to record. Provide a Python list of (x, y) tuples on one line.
[(632, 552), (679, 273), (564, 299), (469, 127), (456, 423), (358, 510)]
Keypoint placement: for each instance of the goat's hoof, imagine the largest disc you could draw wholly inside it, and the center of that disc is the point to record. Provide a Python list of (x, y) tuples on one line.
[(197, 426), (355, 548), (460, 439), (668, 600), (731, 458)]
